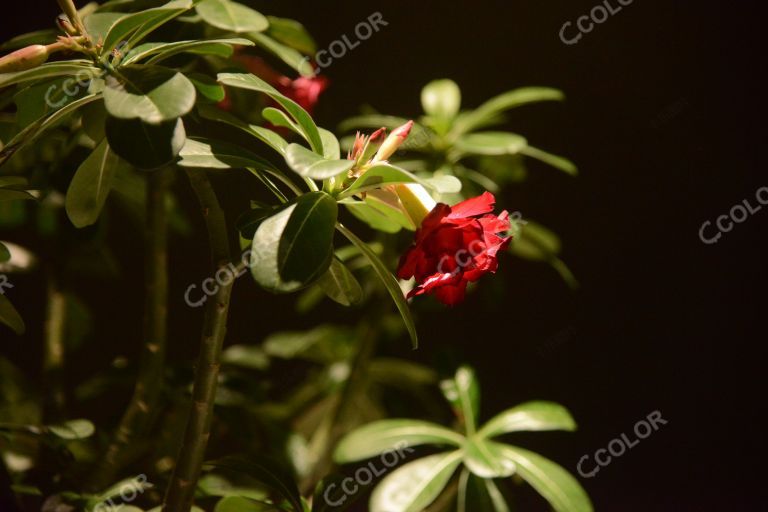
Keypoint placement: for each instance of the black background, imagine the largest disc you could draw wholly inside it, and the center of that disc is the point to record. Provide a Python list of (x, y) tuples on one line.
[(664, 119)]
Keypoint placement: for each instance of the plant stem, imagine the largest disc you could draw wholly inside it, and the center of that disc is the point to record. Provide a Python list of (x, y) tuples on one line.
[(68, 6), (181, 488), (53, 358), (339, 425), (146, 393)]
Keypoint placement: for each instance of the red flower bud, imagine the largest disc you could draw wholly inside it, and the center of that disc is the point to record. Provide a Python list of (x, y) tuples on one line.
[(455, 245)]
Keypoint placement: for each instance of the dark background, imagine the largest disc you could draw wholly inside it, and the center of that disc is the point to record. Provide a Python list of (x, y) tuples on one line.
[(664, 119)]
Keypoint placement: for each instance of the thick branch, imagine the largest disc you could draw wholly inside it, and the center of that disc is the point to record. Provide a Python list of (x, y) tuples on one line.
[(138, 416), (181, 488)]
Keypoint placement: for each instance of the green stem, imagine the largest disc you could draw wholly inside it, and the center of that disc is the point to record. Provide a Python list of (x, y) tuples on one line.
[(68, 7), (146, 394), (181, 488)]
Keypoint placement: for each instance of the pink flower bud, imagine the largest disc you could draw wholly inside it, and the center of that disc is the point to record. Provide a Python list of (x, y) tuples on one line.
[(394, 141), (23, 59)]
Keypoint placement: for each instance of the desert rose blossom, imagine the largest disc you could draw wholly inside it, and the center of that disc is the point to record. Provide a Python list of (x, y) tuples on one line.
[(455, 245)]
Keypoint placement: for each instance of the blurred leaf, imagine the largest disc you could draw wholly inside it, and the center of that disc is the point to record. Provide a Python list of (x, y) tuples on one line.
[(292, 33), (231, 16), (474, 496), (241, 504), (463, 392), (441, 98), (392, 435), (246, 356), (559, 487), (472, 120), (389, 282), (529, 416), (294, 247), (10, 317), (134, 484), (73, 429), (323, 344), (373, 122), (340, 285), (91, 184), (266, 471), (412, 487), (151, 93), (285, 53), (5, 254), (555, 161), (254, 83), (491, 143), (485, 459), (43, 37)]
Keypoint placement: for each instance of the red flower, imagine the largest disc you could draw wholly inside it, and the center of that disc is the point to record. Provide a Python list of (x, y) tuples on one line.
[(455, 245)]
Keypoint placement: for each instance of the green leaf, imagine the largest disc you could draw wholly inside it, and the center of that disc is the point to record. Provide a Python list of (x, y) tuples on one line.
[(554, 483), (249, 221), (555, 161), (491, 143), (485, 459), (372, 121), (295, 246), (478, 495), (161, 51), (73, 429), (529, 416), (219, 155), (43, 37), (288, 55), (491, 109), (443, 183), (388, 280), (391, 435), (82, 68), (207, 87), (441, 98), (266, 471), (380, 175), (91, 184), (146, 146), (412, 487), (14, 195), (136, 26), (311, 165), (279, 118), (151, 93), (5, 254), (10, 317), (269, 137), (137, 484), (254, 83), (463, 392), (231, 16), (246, 356), (331, 147), (340, 285), (372, 217), (291, 33), (98, 24)]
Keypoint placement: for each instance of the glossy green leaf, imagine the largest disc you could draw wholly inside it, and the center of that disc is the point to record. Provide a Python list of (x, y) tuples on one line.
[(151, 93), (311, 165), (231, 16), (485, 459), (388, 280), (379, 176), (390, 436), (91, 184), (98, 24), (374, 218), (146, 146), (241, 504), (249, 221), (80, 68), (491, 143), (161, 51), (491, 109), (340, 285), (554, 483), (73, 429), (463, 392), (10, 317), (272, 139), (207, 87), (136, 26), (331, 147), (295, 246), (219, 155), (254, 83), (291, 33), (412, 487), (279, 118), (529, 416), (441, 98), (555, 161)]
